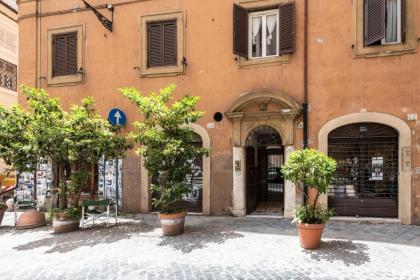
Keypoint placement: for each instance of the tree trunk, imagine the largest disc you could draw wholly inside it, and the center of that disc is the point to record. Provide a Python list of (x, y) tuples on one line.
[(62, 204)]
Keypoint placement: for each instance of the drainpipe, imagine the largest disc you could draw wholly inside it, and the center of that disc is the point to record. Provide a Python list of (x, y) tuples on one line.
[(305, 86), (37, 41)]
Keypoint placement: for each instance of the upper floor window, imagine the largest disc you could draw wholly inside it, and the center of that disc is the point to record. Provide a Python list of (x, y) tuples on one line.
[(64, 54), (384, 27), (162, 43), (384, 21), (264, 32)]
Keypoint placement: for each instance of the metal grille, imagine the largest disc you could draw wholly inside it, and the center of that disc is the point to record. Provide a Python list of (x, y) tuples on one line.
[(263, 136), (367, 163), (8, 75)]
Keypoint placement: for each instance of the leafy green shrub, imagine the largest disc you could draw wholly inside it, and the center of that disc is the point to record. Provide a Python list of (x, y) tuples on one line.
[(71, 213), (166, 142), (309, 214), (316, 170)]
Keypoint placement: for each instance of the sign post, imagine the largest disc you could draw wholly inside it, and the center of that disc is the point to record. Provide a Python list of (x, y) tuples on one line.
[(117, 117)]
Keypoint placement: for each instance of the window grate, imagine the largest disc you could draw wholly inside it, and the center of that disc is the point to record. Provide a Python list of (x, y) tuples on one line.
[(8, 75)]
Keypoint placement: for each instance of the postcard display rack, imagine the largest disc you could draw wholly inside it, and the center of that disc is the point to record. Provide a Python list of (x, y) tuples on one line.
[(44, 176), (110, 180)]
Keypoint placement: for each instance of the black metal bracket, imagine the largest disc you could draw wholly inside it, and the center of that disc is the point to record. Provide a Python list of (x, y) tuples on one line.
[(105, 22)]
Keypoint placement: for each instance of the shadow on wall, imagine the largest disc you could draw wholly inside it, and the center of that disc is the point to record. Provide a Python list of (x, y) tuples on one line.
[(349, 252)]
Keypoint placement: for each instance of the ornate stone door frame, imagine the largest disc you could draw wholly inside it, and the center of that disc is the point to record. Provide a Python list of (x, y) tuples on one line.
[(244, 122)]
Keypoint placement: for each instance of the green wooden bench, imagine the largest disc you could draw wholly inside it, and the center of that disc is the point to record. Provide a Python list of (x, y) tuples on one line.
[(102, 210)]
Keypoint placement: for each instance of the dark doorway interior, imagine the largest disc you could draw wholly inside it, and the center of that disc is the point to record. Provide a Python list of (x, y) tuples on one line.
[(264, 180)]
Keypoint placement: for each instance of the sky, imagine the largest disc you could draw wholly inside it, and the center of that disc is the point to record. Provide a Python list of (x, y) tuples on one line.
[(11, 3)]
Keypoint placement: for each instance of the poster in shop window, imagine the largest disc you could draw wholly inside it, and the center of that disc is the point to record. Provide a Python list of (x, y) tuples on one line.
[(377, 169)]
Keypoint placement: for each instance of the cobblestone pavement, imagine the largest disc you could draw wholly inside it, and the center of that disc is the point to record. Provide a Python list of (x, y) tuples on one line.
[(211, 248)]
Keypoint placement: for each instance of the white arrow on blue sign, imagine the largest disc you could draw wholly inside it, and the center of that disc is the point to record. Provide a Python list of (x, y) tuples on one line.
[(117, 117)]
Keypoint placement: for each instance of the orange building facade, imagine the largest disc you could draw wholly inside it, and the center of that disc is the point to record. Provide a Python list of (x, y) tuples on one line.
[(246, 61)]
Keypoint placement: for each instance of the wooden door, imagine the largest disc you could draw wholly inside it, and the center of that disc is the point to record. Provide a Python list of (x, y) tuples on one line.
[(251, 180)]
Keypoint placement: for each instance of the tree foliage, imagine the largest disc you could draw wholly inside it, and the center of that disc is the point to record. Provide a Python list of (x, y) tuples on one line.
[(166, 141), (72, 141), (314, 169)]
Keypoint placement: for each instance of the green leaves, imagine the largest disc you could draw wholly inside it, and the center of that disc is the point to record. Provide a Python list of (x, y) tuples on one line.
[(310, 167), (166, 140)]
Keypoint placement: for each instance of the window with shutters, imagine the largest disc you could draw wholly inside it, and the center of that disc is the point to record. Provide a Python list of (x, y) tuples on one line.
[(65, 56), (264, 32), (384, 27), (162, 45)]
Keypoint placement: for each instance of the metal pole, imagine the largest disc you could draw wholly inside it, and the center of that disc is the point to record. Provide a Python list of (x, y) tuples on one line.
[(306, 90)]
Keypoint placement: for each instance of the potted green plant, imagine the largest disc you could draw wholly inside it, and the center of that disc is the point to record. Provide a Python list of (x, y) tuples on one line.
[(315, 170), (65, 220), (3, 208), (167, 148)]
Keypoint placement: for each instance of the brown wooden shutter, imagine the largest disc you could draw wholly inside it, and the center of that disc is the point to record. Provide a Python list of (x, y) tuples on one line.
[(374, 20), (155, 45), (170, 43), (162, 44), (403, 20), (65, 54), (240, 31), (287, 28), (72, 54), (59, 53)]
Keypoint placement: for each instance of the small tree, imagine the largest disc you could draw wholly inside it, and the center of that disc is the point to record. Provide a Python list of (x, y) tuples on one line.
[(166, 142), (16, 147), (316, 170), (89, 139)]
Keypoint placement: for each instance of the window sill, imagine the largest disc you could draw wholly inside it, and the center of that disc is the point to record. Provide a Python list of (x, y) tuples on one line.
[(263, 62), (384, 50), (65, 81), (163, 71)]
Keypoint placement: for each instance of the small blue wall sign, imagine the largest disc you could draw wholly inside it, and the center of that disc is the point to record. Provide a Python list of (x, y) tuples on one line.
[(117, 117)]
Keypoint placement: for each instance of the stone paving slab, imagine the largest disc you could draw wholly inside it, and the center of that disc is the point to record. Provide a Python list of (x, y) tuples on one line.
[(210, 248)]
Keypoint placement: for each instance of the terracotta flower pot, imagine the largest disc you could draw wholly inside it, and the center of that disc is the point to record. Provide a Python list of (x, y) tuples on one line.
[(310, 235), (2, 210), (172, 224), (31, 219), (61, 225)]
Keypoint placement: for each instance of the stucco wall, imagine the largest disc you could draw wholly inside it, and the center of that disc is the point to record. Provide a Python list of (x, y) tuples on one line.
[(339, 84)]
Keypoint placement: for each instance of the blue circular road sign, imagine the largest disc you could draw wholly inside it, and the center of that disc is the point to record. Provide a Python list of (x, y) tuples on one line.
[(117, 117)]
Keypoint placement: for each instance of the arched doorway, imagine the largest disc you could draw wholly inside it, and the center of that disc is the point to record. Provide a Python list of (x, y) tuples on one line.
[(250, 111), (264, 181), (366, 181), (405, 214), (193, 201), (199, 199)]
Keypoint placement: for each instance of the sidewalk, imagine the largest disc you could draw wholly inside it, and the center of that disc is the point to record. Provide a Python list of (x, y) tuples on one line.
[(211, 248)]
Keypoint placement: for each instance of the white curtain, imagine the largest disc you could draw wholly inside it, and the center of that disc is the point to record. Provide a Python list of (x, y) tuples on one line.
[(271, 24), (256, 25), (391, 23)]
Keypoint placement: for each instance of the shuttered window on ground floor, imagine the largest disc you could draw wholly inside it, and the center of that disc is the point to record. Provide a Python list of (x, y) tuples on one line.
[(366, 181)]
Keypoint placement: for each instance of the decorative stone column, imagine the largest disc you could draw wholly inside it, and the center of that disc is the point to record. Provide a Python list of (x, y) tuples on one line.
[(239, 189), (289, 189)]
